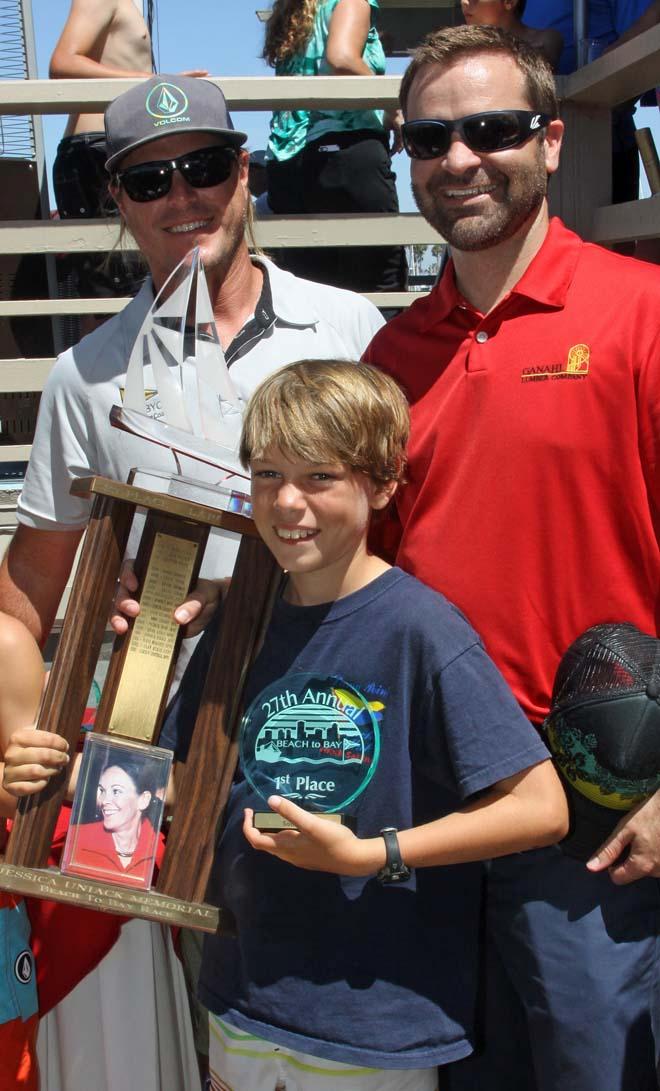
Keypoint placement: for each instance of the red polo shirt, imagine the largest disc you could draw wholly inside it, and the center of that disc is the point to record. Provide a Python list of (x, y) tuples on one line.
[(533, 482)]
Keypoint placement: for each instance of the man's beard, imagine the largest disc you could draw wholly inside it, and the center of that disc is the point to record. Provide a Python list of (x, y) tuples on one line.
[(220, 259), (466, 229)]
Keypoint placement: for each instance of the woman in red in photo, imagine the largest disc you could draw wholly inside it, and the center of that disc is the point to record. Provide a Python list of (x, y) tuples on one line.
[(121, 845)]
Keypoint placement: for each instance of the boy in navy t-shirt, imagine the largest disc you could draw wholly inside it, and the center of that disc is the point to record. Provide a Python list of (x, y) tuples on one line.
[(355, 960)]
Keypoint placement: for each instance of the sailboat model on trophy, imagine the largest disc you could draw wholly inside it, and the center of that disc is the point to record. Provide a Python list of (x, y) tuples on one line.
[(179, 396), (191, 406)]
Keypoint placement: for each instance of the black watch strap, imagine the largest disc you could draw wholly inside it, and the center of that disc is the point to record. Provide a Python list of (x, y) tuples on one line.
[(395, 871)]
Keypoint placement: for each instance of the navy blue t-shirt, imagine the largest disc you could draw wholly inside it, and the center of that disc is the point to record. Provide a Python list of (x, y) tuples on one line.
[(344, 968)]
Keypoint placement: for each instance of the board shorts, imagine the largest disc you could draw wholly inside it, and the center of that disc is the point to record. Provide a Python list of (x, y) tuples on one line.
[(243, 1062)]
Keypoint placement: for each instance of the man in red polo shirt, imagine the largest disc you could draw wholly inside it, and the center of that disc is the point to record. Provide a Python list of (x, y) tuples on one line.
[(533, 501)]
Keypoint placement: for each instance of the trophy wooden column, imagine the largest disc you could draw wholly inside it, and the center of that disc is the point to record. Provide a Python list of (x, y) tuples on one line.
[(168, 563), (73, 668), (209, 770)]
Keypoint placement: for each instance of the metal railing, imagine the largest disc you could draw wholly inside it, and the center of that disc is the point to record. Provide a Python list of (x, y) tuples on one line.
[(17, 136), (580, 192)]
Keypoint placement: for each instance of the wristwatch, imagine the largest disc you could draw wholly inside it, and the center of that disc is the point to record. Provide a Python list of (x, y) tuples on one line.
[(395, 871)]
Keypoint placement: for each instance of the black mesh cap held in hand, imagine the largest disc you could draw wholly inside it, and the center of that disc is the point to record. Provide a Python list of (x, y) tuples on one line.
[(604, 729)]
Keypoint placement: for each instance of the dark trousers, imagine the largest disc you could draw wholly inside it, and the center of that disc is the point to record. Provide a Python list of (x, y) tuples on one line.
[(571, 996), (340, 172), (81, 182)]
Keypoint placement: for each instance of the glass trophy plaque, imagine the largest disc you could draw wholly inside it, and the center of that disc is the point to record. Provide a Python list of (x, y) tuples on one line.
[(313, 739), (178, 391)]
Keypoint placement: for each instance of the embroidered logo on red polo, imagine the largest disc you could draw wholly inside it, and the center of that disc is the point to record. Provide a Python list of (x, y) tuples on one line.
[(576, 367)]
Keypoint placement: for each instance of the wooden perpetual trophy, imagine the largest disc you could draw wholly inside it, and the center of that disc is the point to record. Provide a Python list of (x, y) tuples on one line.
[(136, 688)]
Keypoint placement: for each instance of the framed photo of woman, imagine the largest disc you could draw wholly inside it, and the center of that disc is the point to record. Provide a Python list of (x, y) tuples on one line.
[(117, 812)]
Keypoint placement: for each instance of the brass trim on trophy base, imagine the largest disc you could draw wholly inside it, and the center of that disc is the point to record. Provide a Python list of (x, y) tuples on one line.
[(152, 639), (268, 821), (172, 505), (110, 898)]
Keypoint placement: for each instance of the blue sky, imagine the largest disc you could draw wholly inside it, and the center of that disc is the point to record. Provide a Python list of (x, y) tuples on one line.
[(225, 37)]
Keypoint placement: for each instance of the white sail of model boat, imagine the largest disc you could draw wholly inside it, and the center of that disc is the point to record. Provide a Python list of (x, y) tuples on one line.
[(199, 411)]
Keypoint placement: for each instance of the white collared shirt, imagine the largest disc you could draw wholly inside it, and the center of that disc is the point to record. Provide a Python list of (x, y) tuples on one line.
[(74, 437)]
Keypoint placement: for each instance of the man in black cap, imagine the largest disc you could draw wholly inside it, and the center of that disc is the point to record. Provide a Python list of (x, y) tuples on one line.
[(179, 174)]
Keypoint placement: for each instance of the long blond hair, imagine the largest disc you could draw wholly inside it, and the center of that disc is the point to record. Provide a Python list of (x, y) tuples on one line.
[(289, 29)]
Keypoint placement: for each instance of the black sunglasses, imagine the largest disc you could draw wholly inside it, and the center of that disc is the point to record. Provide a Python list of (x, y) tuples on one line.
[(201, 169), (492, 131)]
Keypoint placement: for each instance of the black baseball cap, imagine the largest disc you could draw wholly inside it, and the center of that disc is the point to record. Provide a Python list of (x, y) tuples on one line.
[(163, 105), (603, 729)]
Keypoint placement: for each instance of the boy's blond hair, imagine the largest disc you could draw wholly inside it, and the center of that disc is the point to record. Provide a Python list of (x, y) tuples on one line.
[(330, 411)]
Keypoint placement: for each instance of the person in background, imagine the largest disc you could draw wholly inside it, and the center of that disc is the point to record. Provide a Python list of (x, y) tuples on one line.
[(649, 18), (258, 182), (646, 249), (19, 1015), (100, 39), (37, 955), (324, 161), (21, 684), (609, 21), (507, 15)]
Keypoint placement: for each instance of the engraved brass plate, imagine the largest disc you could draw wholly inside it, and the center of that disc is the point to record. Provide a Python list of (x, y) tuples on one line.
[(152, 639), (147, 904)]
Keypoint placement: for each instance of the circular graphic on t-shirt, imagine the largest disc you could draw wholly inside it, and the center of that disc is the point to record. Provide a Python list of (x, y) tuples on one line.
[(311, 738)]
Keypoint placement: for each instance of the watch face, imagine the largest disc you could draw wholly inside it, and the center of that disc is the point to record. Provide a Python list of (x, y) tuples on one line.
[(310, 738)]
